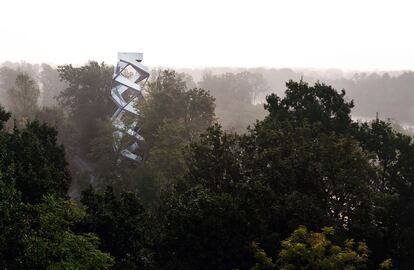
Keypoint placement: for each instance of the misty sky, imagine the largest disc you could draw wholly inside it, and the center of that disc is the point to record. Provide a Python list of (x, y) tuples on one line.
[(347, 34)]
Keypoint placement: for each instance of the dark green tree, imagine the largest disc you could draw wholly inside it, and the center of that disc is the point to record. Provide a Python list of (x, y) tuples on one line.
[(13, 226), (393, 156), (315, 104), (53, 244), (37, 223), (200, 229), (123, 226), (300, 165), (32, 160)]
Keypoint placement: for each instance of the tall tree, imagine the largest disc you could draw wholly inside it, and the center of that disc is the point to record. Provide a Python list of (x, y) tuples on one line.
[(171, 116), (52, 85), (86, 99), (32, 160), (7, 81), (23, 96)]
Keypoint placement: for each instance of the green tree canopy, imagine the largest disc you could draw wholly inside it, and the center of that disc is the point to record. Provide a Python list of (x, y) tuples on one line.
[(52, 243), (32, 160), (37, 224), (122, 225), (86, 99), (171, 116), (314, 251)]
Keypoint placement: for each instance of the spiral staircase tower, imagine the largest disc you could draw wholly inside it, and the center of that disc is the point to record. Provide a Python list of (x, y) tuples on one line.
[(129, 78)]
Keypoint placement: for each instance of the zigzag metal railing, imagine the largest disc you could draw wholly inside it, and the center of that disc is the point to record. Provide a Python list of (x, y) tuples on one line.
[(125, 92)]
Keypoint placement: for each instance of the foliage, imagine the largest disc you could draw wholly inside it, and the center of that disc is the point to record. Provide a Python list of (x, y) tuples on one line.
[(305, 163), (393, 156), (200, 229), (305, 249), (13, 226), (203, 196), (55, 117), (51, 85), (23, 96), (318, 103), (111, 169), (37, 224), (171, 117), (122, 225), (33, 162), (8, 74), (235, 95), (86, 99), (229, 87), (52, 244), (7, 81), (387, 94), (312, 250)]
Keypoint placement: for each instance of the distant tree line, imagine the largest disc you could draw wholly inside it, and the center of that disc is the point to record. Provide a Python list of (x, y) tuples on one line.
[(390, 94)]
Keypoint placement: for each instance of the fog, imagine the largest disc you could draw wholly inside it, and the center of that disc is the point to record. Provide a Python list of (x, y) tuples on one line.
[(362, 47), (349, 35)]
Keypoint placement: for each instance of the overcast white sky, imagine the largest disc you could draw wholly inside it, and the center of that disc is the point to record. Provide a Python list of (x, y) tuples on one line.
[(360, 34)]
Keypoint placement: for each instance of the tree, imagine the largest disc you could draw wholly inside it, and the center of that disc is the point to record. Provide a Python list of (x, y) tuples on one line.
[(86, 99), (32, 161), (309, 250), (200, 229), (51, 85), (122, 225), (230, 87), (316, 104), (171, 117), (393, 156), (305, 249), (314, 250), (42, 236), (37, 224), (8, 74), (56, 117), (13, 226), (235, 98), (24, 96), (7, 81), (302, 164), (310, 169), (52, 243), (110, 168), (4, 117)]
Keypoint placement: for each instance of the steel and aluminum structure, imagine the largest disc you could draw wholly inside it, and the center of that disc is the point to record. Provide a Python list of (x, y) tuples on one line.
[(126, 91)]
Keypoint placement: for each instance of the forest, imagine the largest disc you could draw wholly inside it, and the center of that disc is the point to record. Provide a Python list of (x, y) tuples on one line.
[(244, 169)]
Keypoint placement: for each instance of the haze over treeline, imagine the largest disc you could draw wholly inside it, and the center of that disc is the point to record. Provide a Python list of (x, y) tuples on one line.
[(388, 94)]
